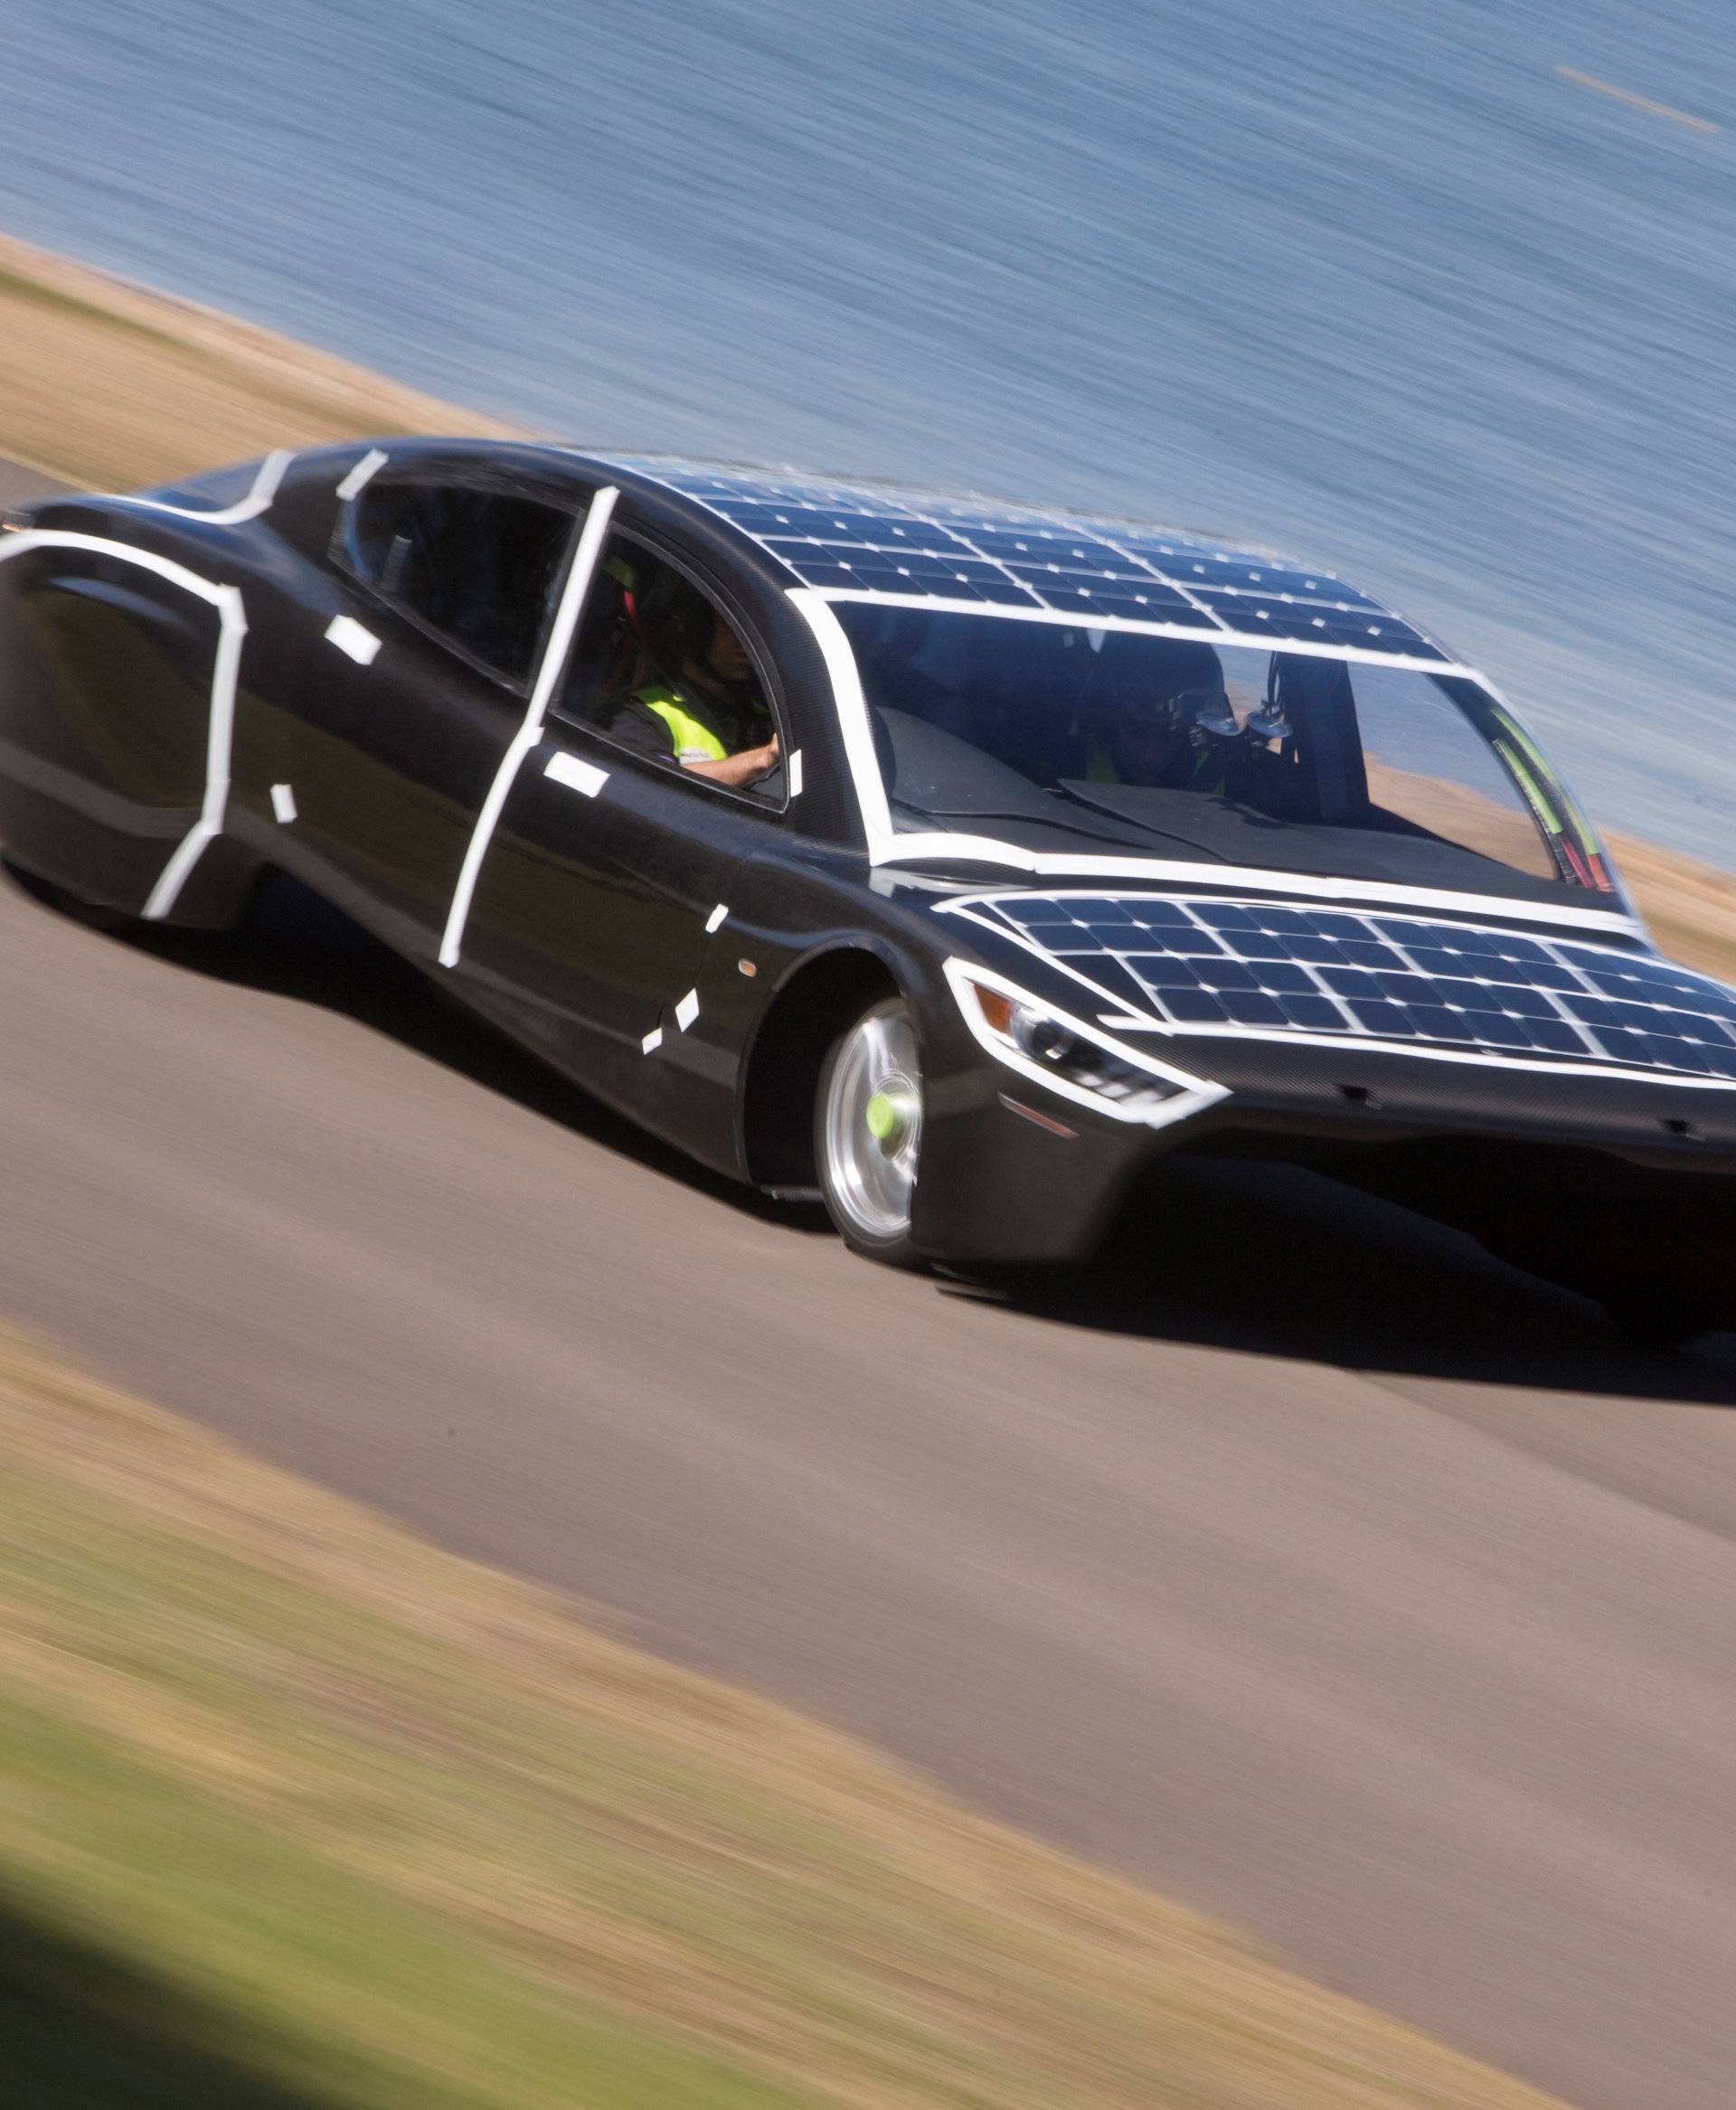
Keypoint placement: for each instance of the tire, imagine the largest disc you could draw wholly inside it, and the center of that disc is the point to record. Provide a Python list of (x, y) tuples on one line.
[(1656, 1317), (868, 1134)]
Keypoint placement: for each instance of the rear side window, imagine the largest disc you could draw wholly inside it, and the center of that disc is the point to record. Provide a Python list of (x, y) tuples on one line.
[(479, 568)]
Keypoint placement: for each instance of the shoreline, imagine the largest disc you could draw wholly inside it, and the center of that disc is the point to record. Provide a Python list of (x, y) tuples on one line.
[(113, 384)]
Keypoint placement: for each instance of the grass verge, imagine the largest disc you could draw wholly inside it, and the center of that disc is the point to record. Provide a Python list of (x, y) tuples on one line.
[(297, 1813), (111, 385)]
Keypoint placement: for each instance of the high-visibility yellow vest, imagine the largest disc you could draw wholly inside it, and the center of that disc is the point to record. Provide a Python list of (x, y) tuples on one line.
[(1206, 772), (690, 740)]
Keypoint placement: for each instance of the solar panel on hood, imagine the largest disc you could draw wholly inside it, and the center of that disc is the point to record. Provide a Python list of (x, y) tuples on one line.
[(859, 539), (1205, 965)]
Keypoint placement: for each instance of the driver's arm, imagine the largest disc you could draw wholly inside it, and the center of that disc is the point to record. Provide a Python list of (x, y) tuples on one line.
[(738, 769)]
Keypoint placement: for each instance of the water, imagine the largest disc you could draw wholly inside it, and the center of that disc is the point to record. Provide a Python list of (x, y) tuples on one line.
[(1371, 282)]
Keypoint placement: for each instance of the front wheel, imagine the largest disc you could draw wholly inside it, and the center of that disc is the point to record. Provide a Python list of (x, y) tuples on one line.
[(868, 1133)]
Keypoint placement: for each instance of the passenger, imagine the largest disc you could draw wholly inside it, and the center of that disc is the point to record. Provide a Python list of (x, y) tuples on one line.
[(1165, 719), (700, 702)]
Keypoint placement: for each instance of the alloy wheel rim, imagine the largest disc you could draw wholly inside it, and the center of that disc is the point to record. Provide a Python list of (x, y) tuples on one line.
[(873, 1125)]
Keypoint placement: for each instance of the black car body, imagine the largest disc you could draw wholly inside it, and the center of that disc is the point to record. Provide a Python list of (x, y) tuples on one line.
[(1349, 916)]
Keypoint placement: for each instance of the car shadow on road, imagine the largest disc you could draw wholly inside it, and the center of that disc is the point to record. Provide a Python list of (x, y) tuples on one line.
[(1273, 1260), (293, 944), (1252, 1258)]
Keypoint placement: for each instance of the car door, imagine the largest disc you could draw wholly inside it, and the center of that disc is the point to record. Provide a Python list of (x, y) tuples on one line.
[(404, 706), (606, 881)]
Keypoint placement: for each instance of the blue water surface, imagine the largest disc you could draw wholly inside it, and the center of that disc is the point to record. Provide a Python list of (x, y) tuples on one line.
[(1367, 280)]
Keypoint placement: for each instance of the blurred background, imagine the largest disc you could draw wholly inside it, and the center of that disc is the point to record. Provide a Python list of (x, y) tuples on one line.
[(1390, 286), (1310, 1564)]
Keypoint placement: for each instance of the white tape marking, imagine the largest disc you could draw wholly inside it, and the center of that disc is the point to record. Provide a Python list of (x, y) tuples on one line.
[(796, 774), (579, 776), (283, 803), (259, 498), (714, 921), (219, 739), (372, 461), (1370, 893), (219, 724), (23, 539), (687, 1009), (348, 636), (1205, 634), (652, 1042), (852, 708), (554, 658), (888, 846)]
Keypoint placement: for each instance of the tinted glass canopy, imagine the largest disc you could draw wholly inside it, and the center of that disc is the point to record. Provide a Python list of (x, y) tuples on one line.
[(1059, 735)]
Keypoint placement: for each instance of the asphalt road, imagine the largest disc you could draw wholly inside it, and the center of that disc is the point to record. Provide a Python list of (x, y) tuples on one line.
[(1307, 1563)]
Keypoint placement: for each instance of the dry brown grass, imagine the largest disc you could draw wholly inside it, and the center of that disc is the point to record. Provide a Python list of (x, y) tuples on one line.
[(112, 386), (506, 1859), (1690, 906)]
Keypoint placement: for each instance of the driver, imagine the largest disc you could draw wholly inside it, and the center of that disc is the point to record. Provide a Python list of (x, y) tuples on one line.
[(1165, 719), (701, 705)]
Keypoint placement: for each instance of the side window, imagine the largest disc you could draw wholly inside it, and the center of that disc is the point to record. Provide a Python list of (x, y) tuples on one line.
[(1430, 769), (660, 668), (477, 568)]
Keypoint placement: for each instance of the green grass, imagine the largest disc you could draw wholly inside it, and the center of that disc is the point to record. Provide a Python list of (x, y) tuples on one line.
[(297, 1813)]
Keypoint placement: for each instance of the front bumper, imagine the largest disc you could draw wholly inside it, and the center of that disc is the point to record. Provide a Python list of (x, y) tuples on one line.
[(1569, 1173)]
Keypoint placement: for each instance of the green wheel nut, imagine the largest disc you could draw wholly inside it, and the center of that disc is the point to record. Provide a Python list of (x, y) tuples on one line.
[(883, 1116)]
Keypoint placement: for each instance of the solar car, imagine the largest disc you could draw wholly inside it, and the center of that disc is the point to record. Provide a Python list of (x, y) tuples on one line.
[(957, 860)]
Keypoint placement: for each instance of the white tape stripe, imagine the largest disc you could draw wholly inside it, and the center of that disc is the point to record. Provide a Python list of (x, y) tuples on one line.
[(219, 735), (554, 655), (852, 708), (687, 1009), (1068, 619), (14, 545), (714, 921), (984, 850), (577, 776), (283, 803), (350, 637), (652, 1042), (794, 774), (232, 619), (259, 498), (888, 847), (1566, 1066), (370, 463)]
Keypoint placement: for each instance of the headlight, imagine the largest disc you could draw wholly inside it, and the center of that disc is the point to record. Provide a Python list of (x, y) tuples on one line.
[(1070, 1057)]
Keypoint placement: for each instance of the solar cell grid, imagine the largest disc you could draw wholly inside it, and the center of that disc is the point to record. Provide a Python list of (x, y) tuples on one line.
[(1211, 965), (831, 535)]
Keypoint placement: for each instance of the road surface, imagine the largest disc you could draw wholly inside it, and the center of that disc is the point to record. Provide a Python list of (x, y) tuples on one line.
[(1310, 1564)]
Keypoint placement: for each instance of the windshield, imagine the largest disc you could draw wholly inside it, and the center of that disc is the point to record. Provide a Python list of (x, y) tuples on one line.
[(1107, 742)]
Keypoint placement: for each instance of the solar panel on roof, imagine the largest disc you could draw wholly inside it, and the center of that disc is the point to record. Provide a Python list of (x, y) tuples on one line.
[(855, 537), (1248, 609), (1207, 965)]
